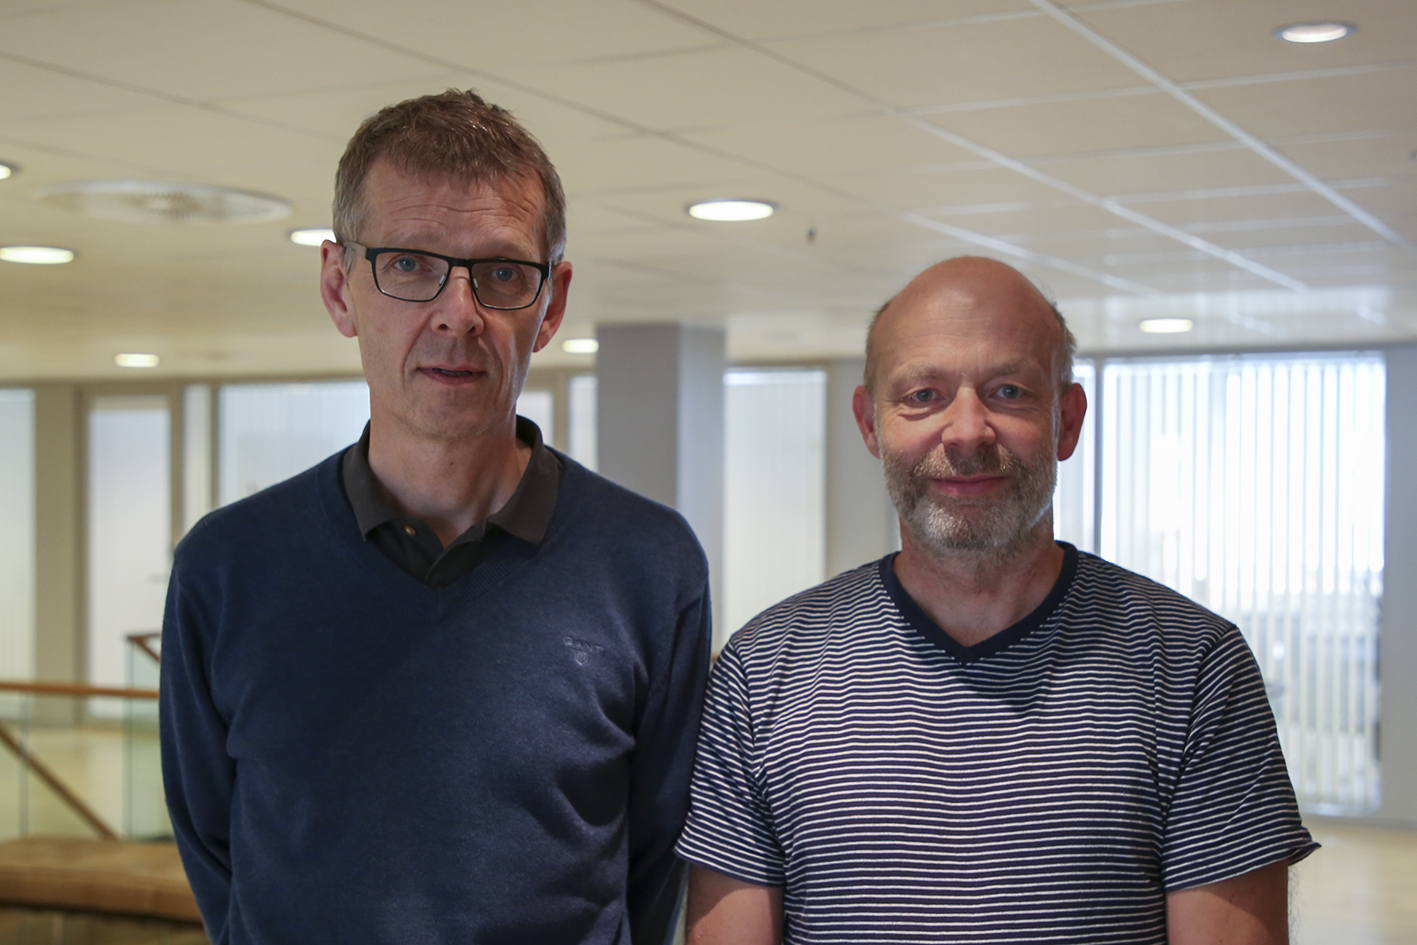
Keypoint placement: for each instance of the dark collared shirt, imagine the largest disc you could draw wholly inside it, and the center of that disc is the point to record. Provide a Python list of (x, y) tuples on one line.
[(413, 546)]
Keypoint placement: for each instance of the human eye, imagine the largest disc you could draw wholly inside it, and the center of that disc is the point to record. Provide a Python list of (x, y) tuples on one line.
[(919, 397), (1010, 391), (506, 273)]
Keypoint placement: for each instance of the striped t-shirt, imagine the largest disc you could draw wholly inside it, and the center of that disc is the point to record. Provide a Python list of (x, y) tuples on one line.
[(1049, 784)]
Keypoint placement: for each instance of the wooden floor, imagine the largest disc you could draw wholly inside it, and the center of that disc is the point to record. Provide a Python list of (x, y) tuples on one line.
[(1360, 889)]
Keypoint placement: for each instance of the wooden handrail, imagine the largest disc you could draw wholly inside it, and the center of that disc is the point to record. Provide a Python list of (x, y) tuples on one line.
[(143, 641), (42, 771), (74, 689)]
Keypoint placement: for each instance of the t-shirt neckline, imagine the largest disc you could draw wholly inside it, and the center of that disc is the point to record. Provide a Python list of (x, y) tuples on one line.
[(918, 620)]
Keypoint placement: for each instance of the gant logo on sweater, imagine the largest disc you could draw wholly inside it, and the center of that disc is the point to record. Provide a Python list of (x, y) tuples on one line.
[(583, 648)]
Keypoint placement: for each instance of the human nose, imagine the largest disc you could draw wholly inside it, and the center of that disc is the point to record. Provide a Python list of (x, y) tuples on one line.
[(967, 423), (459, 312)]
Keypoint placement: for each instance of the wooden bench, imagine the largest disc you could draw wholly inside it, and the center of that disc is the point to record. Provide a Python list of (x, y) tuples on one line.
[(113, 876)]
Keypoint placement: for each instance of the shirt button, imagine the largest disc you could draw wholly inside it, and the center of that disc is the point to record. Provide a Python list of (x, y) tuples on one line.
[(410, 531)]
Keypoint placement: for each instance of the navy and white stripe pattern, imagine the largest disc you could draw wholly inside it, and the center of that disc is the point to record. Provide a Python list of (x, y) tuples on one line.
[(1048, 785)]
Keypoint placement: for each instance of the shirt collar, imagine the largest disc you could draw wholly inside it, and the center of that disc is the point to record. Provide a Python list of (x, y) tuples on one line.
[(526, 515)]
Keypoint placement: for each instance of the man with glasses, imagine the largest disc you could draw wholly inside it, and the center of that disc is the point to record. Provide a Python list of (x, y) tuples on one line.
[(444, 686)]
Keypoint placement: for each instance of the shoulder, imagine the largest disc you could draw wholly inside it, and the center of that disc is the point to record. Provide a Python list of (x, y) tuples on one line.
[(1105, 592), (1122, 614), (591, 507), (272, 515), (840, 606)]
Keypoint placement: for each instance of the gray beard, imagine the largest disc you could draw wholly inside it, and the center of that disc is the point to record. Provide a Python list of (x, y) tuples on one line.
[(992, 528)]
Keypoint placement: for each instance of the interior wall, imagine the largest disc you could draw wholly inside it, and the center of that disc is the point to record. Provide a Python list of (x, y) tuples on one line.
[(1398, 738)]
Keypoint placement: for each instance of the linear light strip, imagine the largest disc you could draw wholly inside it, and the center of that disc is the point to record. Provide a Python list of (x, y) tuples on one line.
[(1072, 22)]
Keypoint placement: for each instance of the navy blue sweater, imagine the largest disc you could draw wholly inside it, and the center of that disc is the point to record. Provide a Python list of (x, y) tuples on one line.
[(353, 756)]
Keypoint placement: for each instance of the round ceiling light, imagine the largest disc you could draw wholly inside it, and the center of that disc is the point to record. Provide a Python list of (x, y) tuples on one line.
[(6, 169), (1166, 326), (731, 211), (1318, 32), (580, 346), (149, 201), (36, 255), (312, 236), (133, 359)]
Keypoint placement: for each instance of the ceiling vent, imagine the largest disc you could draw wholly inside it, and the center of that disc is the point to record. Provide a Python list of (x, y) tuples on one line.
[(148, 201)]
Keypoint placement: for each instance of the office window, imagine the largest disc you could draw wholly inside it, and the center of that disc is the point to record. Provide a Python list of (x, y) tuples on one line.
[(1074, 506), (129, 532), (270, 432), (580, 442), (774, 489), (539, 406), (17, 574), (1254, 485)]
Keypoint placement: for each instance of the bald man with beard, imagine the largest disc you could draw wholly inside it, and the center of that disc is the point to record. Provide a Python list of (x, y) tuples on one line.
[(989, 736)]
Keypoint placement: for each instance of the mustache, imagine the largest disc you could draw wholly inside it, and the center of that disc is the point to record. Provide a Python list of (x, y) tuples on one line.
[(988, 460)]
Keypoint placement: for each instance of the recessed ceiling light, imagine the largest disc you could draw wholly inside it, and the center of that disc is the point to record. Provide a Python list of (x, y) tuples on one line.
[(731, 210), (313, 236), (1319, 32), (134, 359), (1166, 326), (155, 201), (6, 170), (580, 346), (36, 255)]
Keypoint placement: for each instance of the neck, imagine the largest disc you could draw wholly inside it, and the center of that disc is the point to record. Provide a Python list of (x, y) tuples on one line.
[(450, 484), (973, 596)]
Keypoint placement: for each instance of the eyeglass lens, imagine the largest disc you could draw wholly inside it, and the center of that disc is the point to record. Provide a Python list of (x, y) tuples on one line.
[(415, 277)]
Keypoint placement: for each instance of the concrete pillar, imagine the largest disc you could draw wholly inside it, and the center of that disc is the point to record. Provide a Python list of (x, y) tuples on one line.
[(861, 522), (659, 421), (1398, 733), (58, 609)]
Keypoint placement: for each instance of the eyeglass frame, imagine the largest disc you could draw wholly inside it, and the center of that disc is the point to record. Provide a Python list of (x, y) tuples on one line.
[(372, 252)]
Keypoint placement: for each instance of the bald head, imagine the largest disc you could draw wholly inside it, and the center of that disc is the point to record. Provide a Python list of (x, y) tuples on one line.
[(969, 285)]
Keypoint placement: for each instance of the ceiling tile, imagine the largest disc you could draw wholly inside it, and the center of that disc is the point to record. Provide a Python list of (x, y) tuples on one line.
[(492, 37), (967, 62), (50, 94), (1366, 102), (181, 140), (1206, 39), (1231, 165), (1023, 223), (1260, 234), (1105, 123), (753, 19), (643, 162), (825, 147), (701, 88), (926, 189), (171, 46), (1267, 206), (1392, 154)]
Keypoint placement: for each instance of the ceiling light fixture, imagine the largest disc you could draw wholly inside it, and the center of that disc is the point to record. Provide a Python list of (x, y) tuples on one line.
[(6, 169), (36, 255), (580, 346), (732, 211), (312, 236), (1166, 326), (156, 201), (133, 359), (1319, 32)]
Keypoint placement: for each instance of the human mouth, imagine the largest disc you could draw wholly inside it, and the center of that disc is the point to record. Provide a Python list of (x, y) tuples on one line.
[(966, 488), (450, 375)]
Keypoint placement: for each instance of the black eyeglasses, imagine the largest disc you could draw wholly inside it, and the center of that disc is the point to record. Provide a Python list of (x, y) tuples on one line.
[(411, 275)]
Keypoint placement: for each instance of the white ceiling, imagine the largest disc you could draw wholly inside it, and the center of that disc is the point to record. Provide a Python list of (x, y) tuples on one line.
[(1137, 157)]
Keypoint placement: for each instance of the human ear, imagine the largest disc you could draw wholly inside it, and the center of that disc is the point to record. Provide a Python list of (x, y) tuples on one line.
[(558, 284), (864, 409), (334, 280), (1071, 410)]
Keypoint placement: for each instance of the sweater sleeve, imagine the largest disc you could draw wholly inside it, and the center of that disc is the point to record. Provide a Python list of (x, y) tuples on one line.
[(198, 774), (660, 772)]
